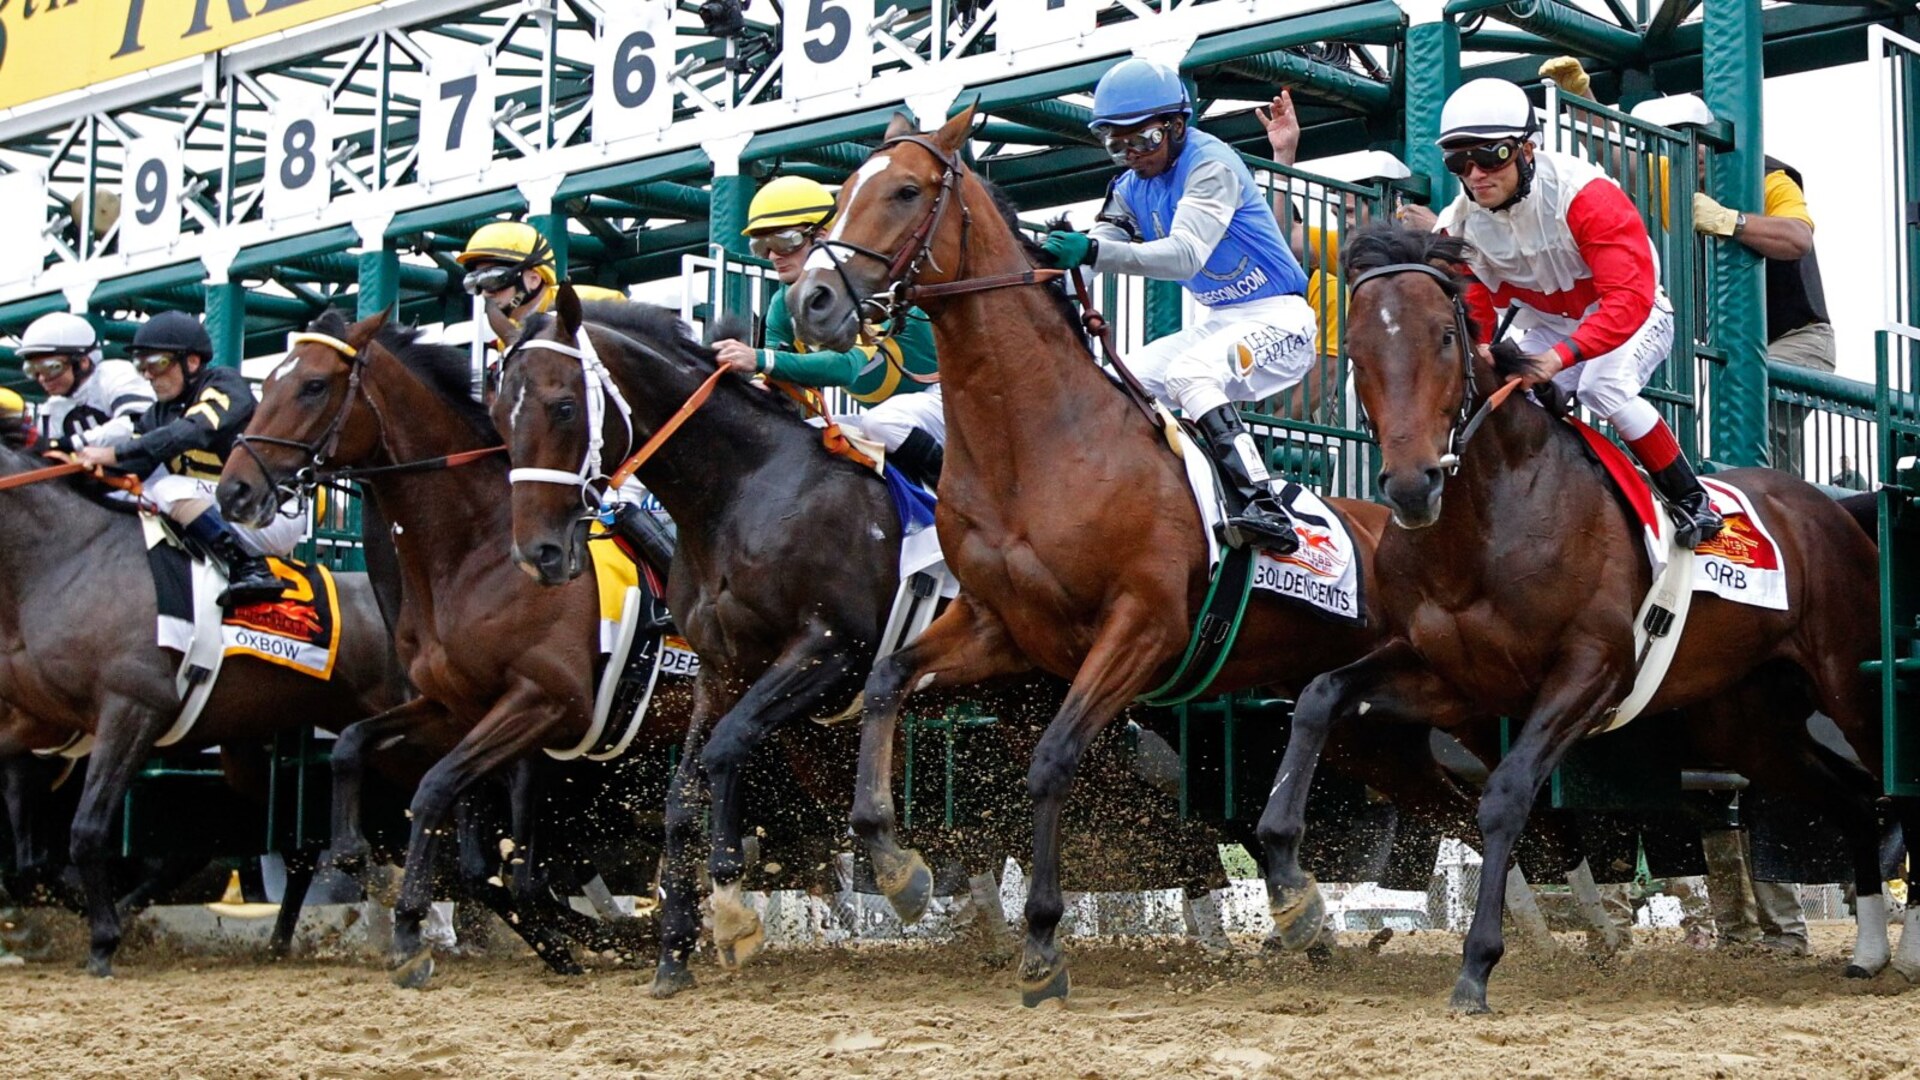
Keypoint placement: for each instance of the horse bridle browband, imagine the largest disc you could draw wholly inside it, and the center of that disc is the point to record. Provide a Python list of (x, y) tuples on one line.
[(1474, 409)]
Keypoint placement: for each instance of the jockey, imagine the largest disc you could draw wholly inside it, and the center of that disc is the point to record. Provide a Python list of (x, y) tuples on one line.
[(1552, 236), (1188, 210), (179, 445), (902, 414), (90, 401), (511, 265)]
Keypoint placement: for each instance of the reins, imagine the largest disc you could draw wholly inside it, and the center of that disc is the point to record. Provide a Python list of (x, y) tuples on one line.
[(35, 476)]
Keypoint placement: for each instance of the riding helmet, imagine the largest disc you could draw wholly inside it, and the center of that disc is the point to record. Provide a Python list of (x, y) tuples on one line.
[(787, 201), (1135, 90), (173, 332)]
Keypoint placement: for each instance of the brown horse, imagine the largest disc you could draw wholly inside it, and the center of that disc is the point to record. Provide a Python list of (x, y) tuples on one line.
[(1521, 599), (1069, 525), (73, 662), (505, 666)]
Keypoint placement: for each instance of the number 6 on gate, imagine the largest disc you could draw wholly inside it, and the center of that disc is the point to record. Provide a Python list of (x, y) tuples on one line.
[(633, 61)]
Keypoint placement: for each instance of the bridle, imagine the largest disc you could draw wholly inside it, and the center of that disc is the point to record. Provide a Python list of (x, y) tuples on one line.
[(302, 482), (1474, 409), (600, 389)]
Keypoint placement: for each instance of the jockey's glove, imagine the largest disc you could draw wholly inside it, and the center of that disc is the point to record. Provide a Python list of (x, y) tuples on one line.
[(1070, 249), (1567, 72), (1712, 218)]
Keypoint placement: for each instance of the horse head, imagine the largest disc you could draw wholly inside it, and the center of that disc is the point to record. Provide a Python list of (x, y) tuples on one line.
[(310, 414), (901, 220), (1413, 360), (542, 410)]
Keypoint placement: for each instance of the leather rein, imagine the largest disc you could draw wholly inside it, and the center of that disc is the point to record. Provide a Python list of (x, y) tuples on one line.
[(889, 308), (1474, 409)]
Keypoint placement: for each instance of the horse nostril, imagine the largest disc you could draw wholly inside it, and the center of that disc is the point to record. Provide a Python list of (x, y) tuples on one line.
[(1433, 478), (1381, 480), (819, 299)]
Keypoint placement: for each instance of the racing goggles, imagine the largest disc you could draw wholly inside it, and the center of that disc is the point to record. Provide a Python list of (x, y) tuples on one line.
[(1491, 157), (1144, 141), (47, 365), (154, 363), (492, 278), (780, 241)]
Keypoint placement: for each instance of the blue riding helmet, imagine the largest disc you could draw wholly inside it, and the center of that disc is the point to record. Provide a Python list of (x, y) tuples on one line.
[(1135, 90)]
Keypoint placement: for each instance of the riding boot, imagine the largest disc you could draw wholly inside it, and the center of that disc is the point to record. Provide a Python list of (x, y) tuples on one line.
[(1254, 516), (650, 538), (249, 579), (1688, 504), (920, 458)]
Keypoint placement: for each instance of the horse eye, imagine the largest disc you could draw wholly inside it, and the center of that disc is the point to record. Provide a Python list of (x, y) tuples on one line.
[(908, 193), (313, 388), (563, 412), (1447, 339)]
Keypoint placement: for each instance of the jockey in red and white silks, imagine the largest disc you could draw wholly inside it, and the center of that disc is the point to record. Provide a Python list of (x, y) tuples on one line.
[(1555, 239)]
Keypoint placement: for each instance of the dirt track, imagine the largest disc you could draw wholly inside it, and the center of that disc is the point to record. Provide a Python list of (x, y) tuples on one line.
[(1151, 1010)]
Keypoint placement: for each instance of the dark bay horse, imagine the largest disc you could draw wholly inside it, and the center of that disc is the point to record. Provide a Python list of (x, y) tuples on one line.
[(1521, 599), (1068, 523), (504, 667), (77, 651)]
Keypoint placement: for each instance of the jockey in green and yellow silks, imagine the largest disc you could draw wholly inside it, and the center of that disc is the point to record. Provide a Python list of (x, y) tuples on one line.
[(902, 412)]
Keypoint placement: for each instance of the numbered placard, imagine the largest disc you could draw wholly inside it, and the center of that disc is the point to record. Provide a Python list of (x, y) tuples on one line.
[(1042, 22), (299, 179), (631, 94), (456, 118), (23, 225), (150, 194), (826, 46)]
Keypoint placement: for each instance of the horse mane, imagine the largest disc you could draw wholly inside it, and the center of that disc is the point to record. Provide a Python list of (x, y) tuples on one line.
[(1378, 244), (446, 369), (1035, 256)]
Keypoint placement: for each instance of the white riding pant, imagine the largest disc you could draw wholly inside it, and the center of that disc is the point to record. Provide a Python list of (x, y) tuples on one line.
[(889, 422), (1241, 352), (279, 537), (1610, 384)]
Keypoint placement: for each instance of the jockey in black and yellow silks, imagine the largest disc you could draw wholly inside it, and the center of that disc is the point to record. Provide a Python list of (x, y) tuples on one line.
[(511, 265)]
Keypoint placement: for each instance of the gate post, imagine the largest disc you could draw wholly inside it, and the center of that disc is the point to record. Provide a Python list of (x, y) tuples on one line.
[(379, 268), (732, 196), (1163, 300), (1731, 62), (1432, 70), (226, 311)]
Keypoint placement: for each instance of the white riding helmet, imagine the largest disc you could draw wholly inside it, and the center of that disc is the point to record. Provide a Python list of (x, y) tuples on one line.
[(1487, 109), (60, 332), (1675, 111)]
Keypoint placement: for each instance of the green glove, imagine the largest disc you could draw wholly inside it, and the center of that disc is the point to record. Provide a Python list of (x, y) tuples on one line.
[(1070, 249)]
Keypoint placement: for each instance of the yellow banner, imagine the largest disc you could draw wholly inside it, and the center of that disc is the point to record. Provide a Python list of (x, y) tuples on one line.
[(51, 46)]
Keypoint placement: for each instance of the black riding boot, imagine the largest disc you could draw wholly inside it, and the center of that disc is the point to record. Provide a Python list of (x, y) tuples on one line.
[(249, 579), (647, 536), (920, 458), (1254, 516), (1687, 503)]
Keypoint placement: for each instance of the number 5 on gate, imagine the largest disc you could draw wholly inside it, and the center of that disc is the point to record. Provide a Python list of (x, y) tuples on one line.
[(826, 46)]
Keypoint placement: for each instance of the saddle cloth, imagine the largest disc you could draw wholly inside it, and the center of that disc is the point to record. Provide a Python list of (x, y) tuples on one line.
[(300, 631), (1741, 564), (1323, 575)]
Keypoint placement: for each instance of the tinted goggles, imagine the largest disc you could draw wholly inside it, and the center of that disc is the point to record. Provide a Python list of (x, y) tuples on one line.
[(1491, 157), (1144, 141), (492, 279), (780, 241), (155, 363), (48, 365)]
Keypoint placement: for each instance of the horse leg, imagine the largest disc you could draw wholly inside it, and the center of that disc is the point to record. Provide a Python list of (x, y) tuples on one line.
[(686, 798), (1125, 654), (1390, 683), (964, 645), (125, 735), (350, 851), (478, 857), (1572, 702), (795, 686), (300, 863), (519, 723)]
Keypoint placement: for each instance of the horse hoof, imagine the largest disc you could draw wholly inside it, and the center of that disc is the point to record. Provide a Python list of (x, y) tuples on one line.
[(1909, 972), (1056, 985), (909, 888), (100, 967), (738, 932), (415, 972), (735, 953), (1299, 915), (1855, 971), (1469, 997), (670, 981)]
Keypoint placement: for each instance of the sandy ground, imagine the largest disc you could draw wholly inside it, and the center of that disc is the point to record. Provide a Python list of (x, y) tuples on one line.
[(1151, 1008)]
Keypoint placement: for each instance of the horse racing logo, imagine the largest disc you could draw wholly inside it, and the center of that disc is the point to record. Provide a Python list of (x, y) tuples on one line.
[(1739, 542)]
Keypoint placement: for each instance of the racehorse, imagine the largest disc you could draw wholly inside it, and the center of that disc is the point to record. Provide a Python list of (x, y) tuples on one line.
[(1071, 528), (69, 660), (504, 666), (1521, 598)]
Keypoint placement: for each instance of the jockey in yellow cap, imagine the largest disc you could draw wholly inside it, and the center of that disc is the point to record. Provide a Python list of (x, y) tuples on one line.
[(511, 265)]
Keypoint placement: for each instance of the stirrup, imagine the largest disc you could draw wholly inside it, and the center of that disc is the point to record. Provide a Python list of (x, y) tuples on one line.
[(1262, 531)]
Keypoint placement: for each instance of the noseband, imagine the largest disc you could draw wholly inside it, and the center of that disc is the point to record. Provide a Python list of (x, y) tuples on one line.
[(1474, 409)]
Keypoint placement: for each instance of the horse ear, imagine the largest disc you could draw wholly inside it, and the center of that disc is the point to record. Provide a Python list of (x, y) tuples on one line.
[(567, 306), (902, 124), (504, 329), (953, 134), (363, 331)]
